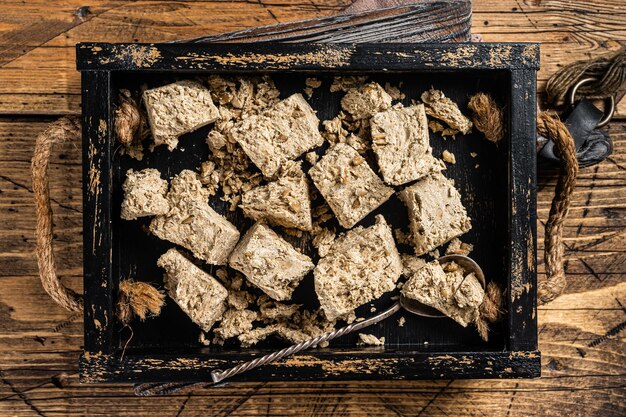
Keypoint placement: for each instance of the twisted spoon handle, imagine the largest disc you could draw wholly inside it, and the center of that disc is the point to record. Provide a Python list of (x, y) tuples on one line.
[(169, 388), (219, 375)]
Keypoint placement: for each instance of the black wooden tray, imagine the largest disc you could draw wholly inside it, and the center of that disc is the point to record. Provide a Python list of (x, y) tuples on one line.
[(499, 195)]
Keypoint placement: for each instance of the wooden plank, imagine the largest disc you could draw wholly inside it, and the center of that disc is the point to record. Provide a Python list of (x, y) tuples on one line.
[(97, 235), (522, 181), (569, 31), (267, 57)]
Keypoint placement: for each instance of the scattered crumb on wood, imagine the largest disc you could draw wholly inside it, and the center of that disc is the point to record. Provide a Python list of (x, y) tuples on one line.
[(448, 157), (473, 154), (311, 84), (401, 321), (435, 127), (394, 92), (456, 247), (203, 340), (366, 339), (346, 83)]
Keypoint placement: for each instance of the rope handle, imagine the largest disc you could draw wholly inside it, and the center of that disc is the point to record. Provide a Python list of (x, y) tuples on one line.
[(63, 130), (135, 299), (551, 127)]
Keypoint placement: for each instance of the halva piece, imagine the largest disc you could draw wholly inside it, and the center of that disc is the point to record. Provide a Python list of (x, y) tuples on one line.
[(281, 133), (351, 188), (176, 109), (401, 143), (360, 266), (144, 194), (284, 202), (270, 262), (197, 293), (366, 100), (436, 214), (441, 107), (193, 224), (448, 289)]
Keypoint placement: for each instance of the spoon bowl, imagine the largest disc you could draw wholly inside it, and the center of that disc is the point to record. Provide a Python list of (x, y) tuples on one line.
[(465, 262)]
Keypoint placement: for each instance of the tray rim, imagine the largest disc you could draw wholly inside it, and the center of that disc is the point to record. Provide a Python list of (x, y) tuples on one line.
[(97, 61)]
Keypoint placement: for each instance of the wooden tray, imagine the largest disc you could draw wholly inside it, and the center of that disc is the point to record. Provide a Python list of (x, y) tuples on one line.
[(499, 195)]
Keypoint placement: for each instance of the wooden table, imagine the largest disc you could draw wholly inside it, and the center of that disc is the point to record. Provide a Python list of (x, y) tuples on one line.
[(581, 333)]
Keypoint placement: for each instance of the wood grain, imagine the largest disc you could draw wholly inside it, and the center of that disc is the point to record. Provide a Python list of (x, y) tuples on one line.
[(568, 31), (581, 334)]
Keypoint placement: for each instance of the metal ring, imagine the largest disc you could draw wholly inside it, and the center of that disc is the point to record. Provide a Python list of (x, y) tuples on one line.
[(610, 101)]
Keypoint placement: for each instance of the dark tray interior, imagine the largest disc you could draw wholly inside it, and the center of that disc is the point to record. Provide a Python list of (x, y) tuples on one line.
[(485, 193)]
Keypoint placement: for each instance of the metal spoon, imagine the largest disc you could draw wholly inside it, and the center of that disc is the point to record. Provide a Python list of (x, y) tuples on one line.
[(412, 306)]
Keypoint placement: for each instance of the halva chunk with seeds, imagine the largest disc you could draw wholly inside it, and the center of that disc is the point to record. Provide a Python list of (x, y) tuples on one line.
[(176, 109), (441, 107), (351, 188), (193, 224), (144, 194), (401, 143), (281, 133), (270, 262), (366, 100), (448, 289), (197, 293), (284, 202), (436, 214), (360, 267)]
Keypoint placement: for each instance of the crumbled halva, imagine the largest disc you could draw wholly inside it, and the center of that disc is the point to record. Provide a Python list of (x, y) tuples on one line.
[(441, 107), (281, 133), (351, 188), (193, 224), (366, 100), (270, 262), (284, 202), (456, 247), (448, 157), (144, 194), (401, 143), (436, 214), (367, 339), (448, 289), (197, 293), (234, 322), (176, 109), (360, 266)]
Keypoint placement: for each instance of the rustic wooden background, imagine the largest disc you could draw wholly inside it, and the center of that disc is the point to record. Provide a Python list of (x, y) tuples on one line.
[(581, 333)]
